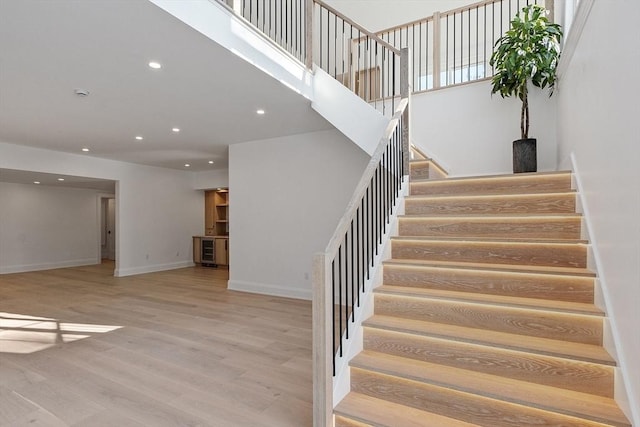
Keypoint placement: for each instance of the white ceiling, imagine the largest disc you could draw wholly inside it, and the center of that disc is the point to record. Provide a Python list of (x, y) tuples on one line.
[(50, 48), (53, 180)]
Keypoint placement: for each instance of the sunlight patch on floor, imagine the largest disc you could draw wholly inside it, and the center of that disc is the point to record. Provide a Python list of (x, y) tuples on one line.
[(24, 334)]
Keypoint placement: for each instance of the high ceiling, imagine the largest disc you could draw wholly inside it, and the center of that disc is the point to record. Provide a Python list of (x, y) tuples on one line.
[(48, 49)]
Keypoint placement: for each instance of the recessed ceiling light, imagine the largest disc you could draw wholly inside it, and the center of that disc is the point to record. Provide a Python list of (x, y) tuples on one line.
[(85, 149), (210, 162), (260, 112), (60, 179), (186, 165), (155, 65), (139, 138), (176, 130), (36, 182), (81, 92)]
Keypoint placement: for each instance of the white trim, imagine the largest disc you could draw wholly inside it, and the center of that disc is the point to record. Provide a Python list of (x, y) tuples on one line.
[(269, 289), (121, 272), (611, 337), (571, 42), (24, 268)]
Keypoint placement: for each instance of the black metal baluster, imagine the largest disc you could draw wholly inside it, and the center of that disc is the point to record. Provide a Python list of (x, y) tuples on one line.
[(501, 17), (382, 80), (340, 296), (333, 312), (387, 186), (358, 275), (320, 33), (279, 33), (374, 195), (469, 44), (454, 49), (368, 227), (363, 257), (383, 194), (353, 265), (328, 42), (367, 88), (413, 56), (393, 98), (426, 57), (380, 221), (346, 284), (335, 46), (447, 53), (485, 39), (343, 53)]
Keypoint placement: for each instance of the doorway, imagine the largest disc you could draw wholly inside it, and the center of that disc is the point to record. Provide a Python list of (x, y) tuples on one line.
[(108, 228)]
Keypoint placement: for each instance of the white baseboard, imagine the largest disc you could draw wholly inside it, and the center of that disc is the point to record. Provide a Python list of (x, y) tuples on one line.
[(24, 268), (269, 289), (121, 272), (611, 337)]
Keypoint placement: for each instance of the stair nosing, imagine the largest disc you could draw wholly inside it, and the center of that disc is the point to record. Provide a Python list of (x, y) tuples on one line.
[(496, 177), (503, 301), (344, 413), (521, 241), (412, 327), (507, 392), (487, 195), (500, 268), (494, 217)]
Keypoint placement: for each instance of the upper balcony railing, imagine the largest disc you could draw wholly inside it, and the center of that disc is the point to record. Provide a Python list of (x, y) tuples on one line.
[(448, 48), (455, 47), (315, 33)]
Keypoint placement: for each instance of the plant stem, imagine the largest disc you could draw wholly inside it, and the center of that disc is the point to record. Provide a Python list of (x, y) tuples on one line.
[(524, 114)]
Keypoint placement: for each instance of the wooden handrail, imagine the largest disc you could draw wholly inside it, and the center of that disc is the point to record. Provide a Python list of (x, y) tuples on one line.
[(345, 221), (442, 14), (360, 28), (323, 296)]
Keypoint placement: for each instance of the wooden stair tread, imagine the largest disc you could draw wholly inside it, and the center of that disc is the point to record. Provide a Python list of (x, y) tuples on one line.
[(557, 253), (502, 177), (563, 271), (472, 240), (496, 218), (381, 413), (544, 346), (473, 196), (507, 176), (498, 300), (561, 401)]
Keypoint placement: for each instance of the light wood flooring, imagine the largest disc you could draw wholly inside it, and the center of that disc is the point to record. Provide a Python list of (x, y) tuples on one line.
[(79, 347)]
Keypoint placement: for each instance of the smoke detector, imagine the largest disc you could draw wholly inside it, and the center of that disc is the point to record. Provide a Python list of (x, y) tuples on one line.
[(82, 93)]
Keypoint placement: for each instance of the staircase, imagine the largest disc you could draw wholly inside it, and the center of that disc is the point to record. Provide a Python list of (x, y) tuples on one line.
[(486, 312)]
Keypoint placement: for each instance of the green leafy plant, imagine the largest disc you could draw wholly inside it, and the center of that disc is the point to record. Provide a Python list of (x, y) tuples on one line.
[(527, 52)]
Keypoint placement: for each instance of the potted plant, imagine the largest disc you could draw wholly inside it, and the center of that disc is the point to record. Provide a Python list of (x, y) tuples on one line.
[(527, 53)]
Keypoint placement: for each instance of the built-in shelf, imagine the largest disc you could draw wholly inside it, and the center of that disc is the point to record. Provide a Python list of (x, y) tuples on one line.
[(216, 206)]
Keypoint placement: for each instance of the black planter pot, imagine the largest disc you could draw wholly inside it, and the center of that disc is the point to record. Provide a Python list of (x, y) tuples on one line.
[(524, 155)]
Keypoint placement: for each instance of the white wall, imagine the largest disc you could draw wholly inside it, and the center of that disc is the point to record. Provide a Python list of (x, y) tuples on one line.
[(470, 132), (383, 14), (349, 113), (44, 227), (158, 209), (286, 197), (598, 136), (207, 180)]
